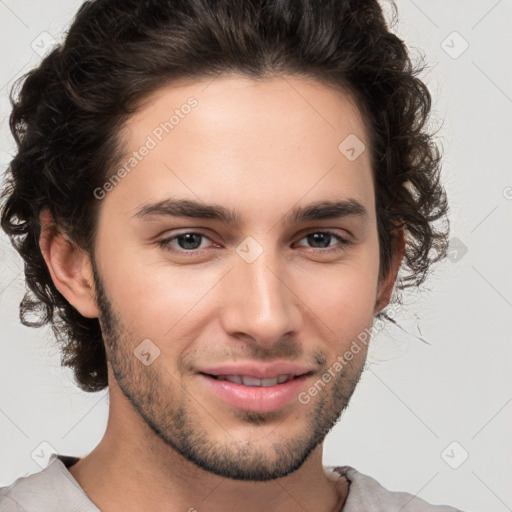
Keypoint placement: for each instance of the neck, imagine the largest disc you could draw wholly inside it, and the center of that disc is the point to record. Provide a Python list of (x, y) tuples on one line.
[(122, 475), (133, 469)]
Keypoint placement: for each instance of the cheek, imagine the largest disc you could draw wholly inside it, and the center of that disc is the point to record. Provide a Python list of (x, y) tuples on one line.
[(343, 294), (343, 301), (343, 312), (154, 298)]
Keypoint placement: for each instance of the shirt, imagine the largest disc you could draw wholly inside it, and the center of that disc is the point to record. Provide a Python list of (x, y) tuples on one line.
[(55, 490)]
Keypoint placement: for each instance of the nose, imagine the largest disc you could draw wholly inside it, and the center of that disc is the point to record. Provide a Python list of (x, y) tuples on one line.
[(261, 304)]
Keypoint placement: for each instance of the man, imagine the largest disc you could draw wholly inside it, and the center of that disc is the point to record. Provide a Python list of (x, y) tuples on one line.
[(214, 200)]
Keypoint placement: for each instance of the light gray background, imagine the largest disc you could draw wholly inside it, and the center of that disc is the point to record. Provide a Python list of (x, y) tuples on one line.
[(415, 399)]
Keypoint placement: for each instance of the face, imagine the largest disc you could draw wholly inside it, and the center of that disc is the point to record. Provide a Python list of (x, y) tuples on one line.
[(274, 288)]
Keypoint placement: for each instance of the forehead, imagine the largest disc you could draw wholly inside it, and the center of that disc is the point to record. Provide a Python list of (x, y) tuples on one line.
[(274, 139), (254, 105)]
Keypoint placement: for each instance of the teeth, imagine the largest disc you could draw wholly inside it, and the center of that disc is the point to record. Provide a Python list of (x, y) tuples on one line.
[(251, 381), (233, 378)]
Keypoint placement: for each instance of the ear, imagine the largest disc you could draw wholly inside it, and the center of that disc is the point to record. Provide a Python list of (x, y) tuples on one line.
[(69, 266), (387, 282)]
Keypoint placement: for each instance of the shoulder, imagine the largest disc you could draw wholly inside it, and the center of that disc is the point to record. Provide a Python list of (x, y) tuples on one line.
[(26, 491), (365, 493), (51, 490)]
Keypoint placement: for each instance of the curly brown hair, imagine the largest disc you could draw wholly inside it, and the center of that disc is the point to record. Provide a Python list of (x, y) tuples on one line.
[(69, 109)]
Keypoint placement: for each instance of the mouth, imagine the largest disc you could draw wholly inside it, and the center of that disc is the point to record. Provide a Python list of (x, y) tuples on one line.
[(246, 380), (248, 393)]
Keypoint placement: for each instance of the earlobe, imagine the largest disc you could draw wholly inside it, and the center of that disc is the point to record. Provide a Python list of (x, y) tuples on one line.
[(69, 267), (387, 283)]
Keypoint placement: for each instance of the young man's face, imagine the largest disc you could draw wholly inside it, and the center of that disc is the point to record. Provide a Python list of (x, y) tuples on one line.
[(290, 293)]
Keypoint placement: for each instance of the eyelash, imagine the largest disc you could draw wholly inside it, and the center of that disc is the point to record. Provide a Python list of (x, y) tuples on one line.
[(166, 243)]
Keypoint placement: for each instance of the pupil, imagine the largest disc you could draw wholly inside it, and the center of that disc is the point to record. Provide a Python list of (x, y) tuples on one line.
[(188, 239), (316, 237)]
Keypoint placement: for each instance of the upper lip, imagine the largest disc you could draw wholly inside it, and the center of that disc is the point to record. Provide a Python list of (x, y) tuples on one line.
[(257, 370)]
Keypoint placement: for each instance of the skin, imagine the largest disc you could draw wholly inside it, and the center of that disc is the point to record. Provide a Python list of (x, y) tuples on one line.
[(259, 147)]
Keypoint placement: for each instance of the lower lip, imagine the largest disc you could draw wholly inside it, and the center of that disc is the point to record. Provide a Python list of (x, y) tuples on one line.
[(256, 398)]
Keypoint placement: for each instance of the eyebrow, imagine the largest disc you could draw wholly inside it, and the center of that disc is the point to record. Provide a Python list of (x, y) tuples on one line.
[(320, 210)]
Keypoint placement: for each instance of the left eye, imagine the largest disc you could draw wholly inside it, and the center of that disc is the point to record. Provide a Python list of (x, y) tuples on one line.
[(323, 236), (190, 242)]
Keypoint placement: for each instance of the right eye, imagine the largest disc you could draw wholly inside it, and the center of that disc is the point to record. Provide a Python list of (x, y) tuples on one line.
[(188, 242)]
